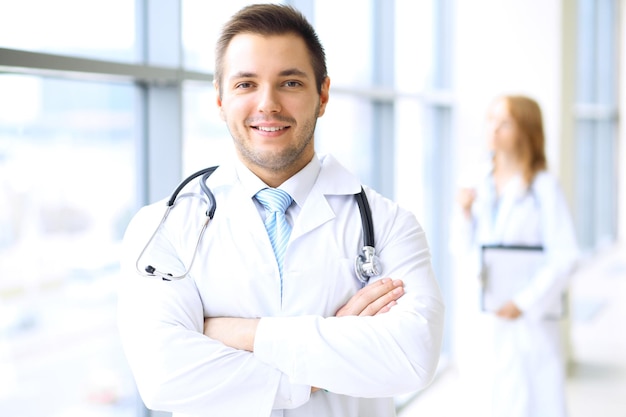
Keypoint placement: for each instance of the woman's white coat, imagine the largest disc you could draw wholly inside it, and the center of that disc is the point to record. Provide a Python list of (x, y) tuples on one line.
[(514, 368)]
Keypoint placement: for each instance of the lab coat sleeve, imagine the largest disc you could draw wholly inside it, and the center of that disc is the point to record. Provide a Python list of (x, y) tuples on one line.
[(561, 250), (384, 355), (175, 366)]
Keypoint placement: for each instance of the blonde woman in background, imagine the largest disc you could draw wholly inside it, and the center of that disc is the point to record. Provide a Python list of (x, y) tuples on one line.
[(512, 358)]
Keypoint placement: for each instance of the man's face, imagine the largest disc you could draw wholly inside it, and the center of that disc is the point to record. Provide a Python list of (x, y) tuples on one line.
[(270, 103)]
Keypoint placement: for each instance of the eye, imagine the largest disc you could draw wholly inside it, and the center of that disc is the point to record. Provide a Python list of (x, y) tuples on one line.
[(293, 83), (243, 85), (506, 124)]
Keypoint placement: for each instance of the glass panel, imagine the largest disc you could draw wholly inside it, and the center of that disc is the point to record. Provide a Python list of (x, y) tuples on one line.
[(606, 44), (348, 46), (414, 69), (585, 179), (206, 140), (202, 22), (596, 129), (586, 54), (103, 29), (345, 132), (67, 180), (605, 187)]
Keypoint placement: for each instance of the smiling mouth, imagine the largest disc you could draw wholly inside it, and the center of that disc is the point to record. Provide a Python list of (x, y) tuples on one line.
[(270, 128)]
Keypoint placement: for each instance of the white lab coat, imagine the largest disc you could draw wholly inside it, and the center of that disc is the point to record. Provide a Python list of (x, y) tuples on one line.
[(361, 361), (514, 368)]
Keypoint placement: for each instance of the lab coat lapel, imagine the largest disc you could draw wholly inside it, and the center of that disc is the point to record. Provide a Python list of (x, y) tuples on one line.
[(333, 179), (316, 211), (238, 209)]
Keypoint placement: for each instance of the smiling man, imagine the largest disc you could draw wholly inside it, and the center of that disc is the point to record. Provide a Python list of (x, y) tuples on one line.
[(273, 318), (268, 96)]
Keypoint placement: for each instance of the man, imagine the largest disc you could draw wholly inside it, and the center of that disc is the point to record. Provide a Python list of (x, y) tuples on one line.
[(253, 331)]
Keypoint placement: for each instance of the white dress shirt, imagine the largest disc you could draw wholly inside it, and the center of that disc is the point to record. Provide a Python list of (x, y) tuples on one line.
[(359, 362)]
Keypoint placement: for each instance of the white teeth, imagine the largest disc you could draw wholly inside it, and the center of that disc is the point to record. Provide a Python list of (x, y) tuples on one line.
[(269, 129)]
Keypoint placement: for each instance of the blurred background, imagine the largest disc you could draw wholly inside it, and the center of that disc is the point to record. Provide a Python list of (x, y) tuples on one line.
[(106, 104)]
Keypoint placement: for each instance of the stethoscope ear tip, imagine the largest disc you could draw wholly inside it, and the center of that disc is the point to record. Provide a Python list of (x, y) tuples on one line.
[(154, 273)]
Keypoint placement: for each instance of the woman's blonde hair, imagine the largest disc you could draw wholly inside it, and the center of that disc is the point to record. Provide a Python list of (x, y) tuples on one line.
[(531, 139)]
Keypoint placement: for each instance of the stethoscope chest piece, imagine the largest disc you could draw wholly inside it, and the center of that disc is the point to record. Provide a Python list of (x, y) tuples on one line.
[(367, 264)]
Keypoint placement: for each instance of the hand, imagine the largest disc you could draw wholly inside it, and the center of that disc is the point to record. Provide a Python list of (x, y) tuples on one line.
[(234, 332), (509, 311), (376, 298), (373, 299), (465, 198)]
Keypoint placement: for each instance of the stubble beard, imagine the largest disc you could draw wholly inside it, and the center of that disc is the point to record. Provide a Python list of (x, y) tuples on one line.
[(280, 160)]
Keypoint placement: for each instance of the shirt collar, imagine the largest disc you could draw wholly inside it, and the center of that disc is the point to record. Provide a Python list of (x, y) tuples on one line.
[(298, 186)]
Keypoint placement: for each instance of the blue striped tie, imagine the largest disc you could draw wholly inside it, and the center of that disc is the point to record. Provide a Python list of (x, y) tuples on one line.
[(276, 203)]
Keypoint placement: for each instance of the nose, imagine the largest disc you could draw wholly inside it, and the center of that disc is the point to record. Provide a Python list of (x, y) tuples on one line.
[(269, 101)]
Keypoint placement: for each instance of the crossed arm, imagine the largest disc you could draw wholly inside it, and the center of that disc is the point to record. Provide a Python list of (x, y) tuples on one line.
[(373, 299)]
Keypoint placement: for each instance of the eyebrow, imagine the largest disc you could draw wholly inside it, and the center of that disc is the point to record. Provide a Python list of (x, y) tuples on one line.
[(293, 71), (283, 73)]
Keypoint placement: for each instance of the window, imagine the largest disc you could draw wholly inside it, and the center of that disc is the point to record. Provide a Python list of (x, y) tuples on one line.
[(67, 185), (94, 29), (91, 127), (202, 22), (207, 140), (596, 123)]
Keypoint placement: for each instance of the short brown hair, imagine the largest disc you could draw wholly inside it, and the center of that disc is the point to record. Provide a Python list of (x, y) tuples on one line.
[(531, 141), (271, 19)]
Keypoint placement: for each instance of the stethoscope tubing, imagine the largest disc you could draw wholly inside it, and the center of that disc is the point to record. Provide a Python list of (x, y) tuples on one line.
[(206, 173), (149, 270), (366, 264), (366, 216)]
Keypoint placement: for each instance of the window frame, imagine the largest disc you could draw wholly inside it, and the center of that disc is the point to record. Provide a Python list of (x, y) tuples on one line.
[(596, 116), (159, 77)]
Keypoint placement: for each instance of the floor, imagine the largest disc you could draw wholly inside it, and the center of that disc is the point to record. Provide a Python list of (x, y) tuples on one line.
[(597, 350)]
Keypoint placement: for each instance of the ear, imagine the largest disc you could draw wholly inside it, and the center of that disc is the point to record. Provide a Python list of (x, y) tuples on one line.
[(218, 99), (324, 95)]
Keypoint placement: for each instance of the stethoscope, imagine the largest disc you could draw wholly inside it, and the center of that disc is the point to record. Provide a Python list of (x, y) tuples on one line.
[(366, 265)]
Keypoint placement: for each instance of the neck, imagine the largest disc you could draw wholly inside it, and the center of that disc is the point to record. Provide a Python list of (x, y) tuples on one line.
[(505, 168), (507, 164), (274, 177)]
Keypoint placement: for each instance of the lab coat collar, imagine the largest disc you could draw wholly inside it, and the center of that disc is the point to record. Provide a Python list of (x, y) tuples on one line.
[(333, 179)]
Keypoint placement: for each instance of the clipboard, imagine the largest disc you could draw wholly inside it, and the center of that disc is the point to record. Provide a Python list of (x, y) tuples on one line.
[(508, 269)]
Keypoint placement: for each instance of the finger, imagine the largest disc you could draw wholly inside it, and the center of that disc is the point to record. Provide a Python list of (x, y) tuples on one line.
[(386, 308), (384, 301), (367, 295), (373, 293)]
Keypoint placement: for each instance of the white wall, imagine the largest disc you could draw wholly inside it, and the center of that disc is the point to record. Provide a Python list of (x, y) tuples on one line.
[(509, 46), (519, 47)]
